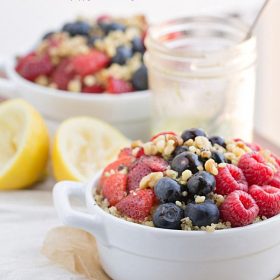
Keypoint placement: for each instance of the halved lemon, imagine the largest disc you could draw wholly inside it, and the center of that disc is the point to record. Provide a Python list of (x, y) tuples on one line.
[(24, 145), (84, 145)]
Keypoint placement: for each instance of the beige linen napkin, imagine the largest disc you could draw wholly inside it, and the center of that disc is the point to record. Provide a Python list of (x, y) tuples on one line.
[(75, 250)]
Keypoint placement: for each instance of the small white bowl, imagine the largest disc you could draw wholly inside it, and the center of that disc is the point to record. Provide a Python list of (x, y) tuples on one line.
[(129, 112), (131, 251)]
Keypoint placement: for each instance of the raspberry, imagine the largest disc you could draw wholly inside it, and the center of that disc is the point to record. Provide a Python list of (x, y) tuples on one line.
[(155, 163), (93, 89), (115, 167), (253, 146), (32, 66), (135, 175), (125, 152), (114, 188), (267, 198), (163, 133), (239, 208), (90, 63), (63, 74), (229, 179), (118, 86), (275, 181), (255, 169), (137, 205)]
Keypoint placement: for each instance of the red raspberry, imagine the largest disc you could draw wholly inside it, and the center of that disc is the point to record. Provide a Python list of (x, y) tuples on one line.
[(114, 188), (135, 175), (115, 167), (229, 179), (277, 160), (63, 74), (90, 63), (254, 147), (163, 133), (125, 152), (275, 181), (155, 163), (255, 169), (137, 205), (93, 89), (32, 66), (118, 86), (267, 198), (239, 208)]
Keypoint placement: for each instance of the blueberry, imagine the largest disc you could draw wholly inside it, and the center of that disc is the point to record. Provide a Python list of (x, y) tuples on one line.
[(107, 27), (218, 140), (168, 216), (77, 28), (201, 183), (203, 214), (48, 35), (185, 160), (138, 45), (92, 39), (192, 133), (180, 149), (122, 55), (140, 78), (218, 157), (167, 190)]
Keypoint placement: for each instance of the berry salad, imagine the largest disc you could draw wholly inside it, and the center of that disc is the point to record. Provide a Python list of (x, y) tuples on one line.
[(191, 182), (90, 56)]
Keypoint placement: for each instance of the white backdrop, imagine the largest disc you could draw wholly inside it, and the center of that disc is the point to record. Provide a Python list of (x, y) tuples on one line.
[(22, 21)]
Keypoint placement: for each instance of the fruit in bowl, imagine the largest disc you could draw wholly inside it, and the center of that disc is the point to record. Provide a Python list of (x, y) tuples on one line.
[(90, 56), (191, 182), (183, 206)]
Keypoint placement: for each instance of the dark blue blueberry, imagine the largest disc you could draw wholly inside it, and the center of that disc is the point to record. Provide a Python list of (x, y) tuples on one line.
[(202, 214), (168, 216), (185, 160), (218, 157), (179, 150), (201, 183), (140, 78), (48, 35), (77, 28), (167, 190), (138, 45), (192, 133), (107, 27), (92, 39), (218, 140), (122, 55)]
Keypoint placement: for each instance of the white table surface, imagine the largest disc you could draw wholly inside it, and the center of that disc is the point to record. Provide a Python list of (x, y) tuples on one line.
[(25, 218)]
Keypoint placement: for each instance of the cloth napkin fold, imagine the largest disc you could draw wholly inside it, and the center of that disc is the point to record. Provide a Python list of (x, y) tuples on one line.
[(75, 250)]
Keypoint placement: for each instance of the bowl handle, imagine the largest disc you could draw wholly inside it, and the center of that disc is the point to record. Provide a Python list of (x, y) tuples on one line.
[(69, 216), (7, 88)]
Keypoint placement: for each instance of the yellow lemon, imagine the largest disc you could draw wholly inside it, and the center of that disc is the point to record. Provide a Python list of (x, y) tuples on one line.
[(84, 145), (24, 145)]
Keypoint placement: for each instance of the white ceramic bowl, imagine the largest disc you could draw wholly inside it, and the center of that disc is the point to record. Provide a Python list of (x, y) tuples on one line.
[(131, 251), (129, 112)]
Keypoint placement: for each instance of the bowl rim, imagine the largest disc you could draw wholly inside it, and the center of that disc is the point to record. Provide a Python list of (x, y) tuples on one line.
[(92, 184), (14, 76)]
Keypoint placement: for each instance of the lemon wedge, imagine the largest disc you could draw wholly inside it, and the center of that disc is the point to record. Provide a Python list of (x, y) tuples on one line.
[(24, 145), (84, 145)]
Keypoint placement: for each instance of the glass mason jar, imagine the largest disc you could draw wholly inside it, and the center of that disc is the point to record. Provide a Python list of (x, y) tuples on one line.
[(202, 74)]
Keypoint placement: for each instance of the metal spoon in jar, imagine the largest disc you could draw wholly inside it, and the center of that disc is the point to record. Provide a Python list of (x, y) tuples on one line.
[(255, 22)]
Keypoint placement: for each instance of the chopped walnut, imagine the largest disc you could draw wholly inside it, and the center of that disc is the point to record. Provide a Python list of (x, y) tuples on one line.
[(211, 167), (150, 180)]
